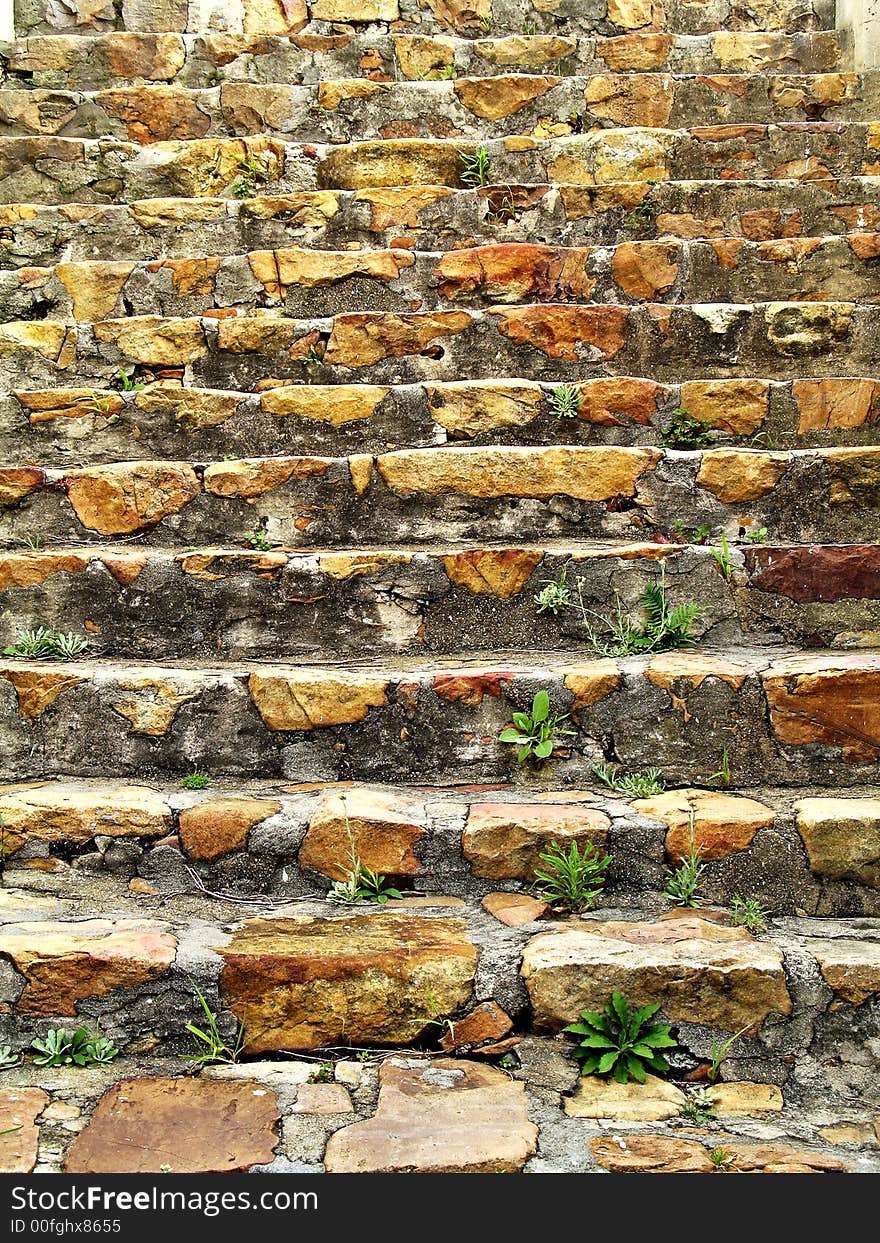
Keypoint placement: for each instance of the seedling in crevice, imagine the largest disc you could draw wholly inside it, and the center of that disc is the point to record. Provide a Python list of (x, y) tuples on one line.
[(210, 1045), (79, 1048), (571, 881), (764, 440), (663, 629), (538, 731), (554, 596), (748, 913), (502, 205), (7, 1057), (719, 1052), (127, 383), (565, 401), (721, 556), (313, 355), (325, 1073), (698, 1107), (634, 785), (33, 543), (251, 177), (698, 535), (439, 73), (476, 167), (622, 1042), (722, 1160), (641, 220), (683, 431), (361, 883), (438, 1018), (681, 888), (98, 404), (258, 539), (43, 644), (757, 537), (195, 781), (723, 773)]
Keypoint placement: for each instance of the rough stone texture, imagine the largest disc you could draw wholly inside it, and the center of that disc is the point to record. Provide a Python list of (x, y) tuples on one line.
[(19, 1134), (184, 1126), (448, 1116), (722, 823), (514, 909), (850, 967), (745, 1098), (286, 702), (504, 840), (699, 971), (75, 815), (842, 837), (300, 982), (381, 830), (487, 1022), (653, 1101), (650, 1154), (219, 825), (64, 963)]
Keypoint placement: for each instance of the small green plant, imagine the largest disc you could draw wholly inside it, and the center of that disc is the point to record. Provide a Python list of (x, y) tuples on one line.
[(565, 401), (699, 1107), (718, 1052), (764, 440), (634, 785), (43, 644), (662, 630), (438, 1018), (748, 913), (258, 539), (723, 773), (721, 557), (98, 404), (128, 384), (698, 535), (722, 1160), (476, 167), (313, 355), (210, 1047), (361, 884), (33, 542), (622, 1042), (195, 781), (681, 888), (683, 431), (641, 220), (439, 73), (250, 178), (324, 1073), (79, 1048), (537, 732), (554, 596), (571, 881), (757, 537), (7, 1057)]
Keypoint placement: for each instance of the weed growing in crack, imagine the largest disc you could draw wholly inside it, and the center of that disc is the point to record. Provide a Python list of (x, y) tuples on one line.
[(622, 1042), (43, 644), (683, 431), (682, 886), (643, 784), (571, 881), (748, 913), (663, 629), (537, 732), (210, 1046), (476, 168)]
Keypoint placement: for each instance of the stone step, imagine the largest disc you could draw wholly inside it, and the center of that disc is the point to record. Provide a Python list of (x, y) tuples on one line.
[(451, 493), (51, 169), (437, 216), (789, 850), (481, 18), (393, 1112), (307, 282), (307, 977), (767, 719), (548, 342), (54, 426), (540, 105), (63, 61), (240, 603)]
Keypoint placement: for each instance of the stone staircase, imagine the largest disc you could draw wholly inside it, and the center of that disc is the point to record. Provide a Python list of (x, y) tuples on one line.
[(289, 292)]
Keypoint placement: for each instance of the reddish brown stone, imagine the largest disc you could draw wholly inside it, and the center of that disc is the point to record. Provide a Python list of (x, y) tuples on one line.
[(177, 1126), (817, 572), (19, 1133), (832, 701), (217, 826), (514, 909), (572, 333), (470, 688), (517, 272), (487, 1022), (618, 400)]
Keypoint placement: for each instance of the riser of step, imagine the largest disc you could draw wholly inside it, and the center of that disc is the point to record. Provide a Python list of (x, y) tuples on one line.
[(793, 720), (819, 856), (428, 216), (305, 282), (470, 108), (549, 342), (243, 604), (49, 169), (65, 61), (306, 977), (168, 420), (481, 18), (450, 493)]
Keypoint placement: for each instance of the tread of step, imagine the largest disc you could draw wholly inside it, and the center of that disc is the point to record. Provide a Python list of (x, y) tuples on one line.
[(244, 603), (307, 282), (451, 493), (99, 170), (816, 852), (192, 60), (759, 211), (540, 105), (785, 718), (47, 426)]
